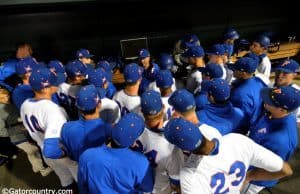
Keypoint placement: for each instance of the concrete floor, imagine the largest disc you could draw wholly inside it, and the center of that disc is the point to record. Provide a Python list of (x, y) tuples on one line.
[(20, 175)]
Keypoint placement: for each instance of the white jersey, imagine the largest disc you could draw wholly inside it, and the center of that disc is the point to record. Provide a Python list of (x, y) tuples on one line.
[(169, 110), (264, 70), (128, 103), (209, 132), (43, 119), (164, 157), (67, 96), (193, 81), (225, 169), (110, 111)]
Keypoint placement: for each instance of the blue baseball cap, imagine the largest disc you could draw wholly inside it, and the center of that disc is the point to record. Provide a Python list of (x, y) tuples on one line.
[(216, 49), (105, 65), (263, 40), (41, 78), (29, 60), (288, 66), (164, 79), (212, 70), (151, 103), (253, 56), (183, 134), (195, 51), (83, 53), (128, 129), (191, 40), (230, 33), (97, 77), (286, 97), (87, 98), (245, 64), (218, 88), (58, 70), (144, 53), (182, 100), (75, 68), (166, 61), (23, 68), (132, 73)]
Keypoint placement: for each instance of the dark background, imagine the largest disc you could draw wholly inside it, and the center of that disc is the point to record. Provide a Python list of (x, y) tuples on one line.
[(56, 30)]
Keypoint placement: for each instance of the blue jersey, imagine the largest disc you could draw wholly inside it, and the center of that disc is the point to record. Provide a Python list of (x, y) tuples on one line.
[(77, 136), (246, 96), (114, 170), (149, 76), (278, 135), (111, 90), (225, 119), (20, 94), (7, 69), (201, 100)]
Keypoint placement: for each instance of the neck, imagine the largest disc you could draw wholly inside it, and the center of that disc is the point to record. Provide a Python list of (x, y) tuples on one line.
[(247, 76), (193, 118), (157, 125), (206, 147), (276, 115), (26, 81), (39, 96), (96, 115), (132, 90)]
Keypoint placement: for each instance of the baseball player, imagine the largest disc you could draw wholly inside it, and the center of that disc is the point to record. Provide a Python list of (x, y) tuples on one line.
[(165, 81), (245, 93), (128, 99), (109, 111), (216, 55), (209, 72), (117, 169), (90, 130), (164, 158), (44, 119), (195, 58), (229, 36), (220, 113), (67, 91), (277, 130), (260, 47), (184, 106), (111, 89), (220, 165), (84, 56), (150, 71)]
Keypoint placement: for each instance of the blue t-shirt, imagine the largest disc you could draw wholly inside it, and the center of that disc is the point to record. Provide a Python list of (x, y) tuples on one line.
[(246, 96), (77, 136), (225, 119), (20, 94), (114, 170), (201, 100), (278, 135)]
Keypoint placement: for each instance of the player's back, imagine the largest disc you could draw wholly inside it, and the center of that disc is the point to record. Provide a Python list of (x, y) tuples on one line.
[(163, 156), (40, 115), (127, 103), (111, 170), (224, 170), (21, 93), (109, 111)]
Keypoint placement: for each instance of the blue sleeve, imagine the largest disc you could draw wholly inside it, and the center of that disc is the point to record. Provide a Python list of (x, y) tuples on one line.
[(82, 176), (52, 148), (148, 181), (111, 90)]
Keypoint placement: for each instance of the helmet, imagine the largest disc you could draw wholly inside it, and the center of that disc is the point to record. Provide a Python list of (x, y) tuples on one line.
[(166, 61), (230, 33), (263, 40)]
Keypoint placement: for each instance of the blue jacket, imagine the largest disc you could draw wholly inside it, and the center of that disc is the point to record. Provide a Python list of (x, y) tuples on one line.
[(77, 136), (278, 135), (114, 170), (246, 96), (225, 119), (20, 94), (201, 100)]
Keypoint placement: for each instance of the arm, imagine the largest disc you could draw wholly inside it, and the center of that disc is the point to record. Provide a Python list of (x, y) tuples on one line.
[(261, 174), (52, 148), (148, 181)]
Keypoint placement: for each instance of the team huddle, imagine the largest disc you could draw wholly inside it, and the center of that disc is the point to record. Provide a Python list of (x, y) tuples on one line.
[(225, 129)]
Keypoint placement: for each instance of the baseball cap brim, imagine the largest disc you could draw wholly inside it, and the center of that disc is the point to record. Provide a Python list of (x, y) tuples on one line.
[(284, 70), (265, 94)]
